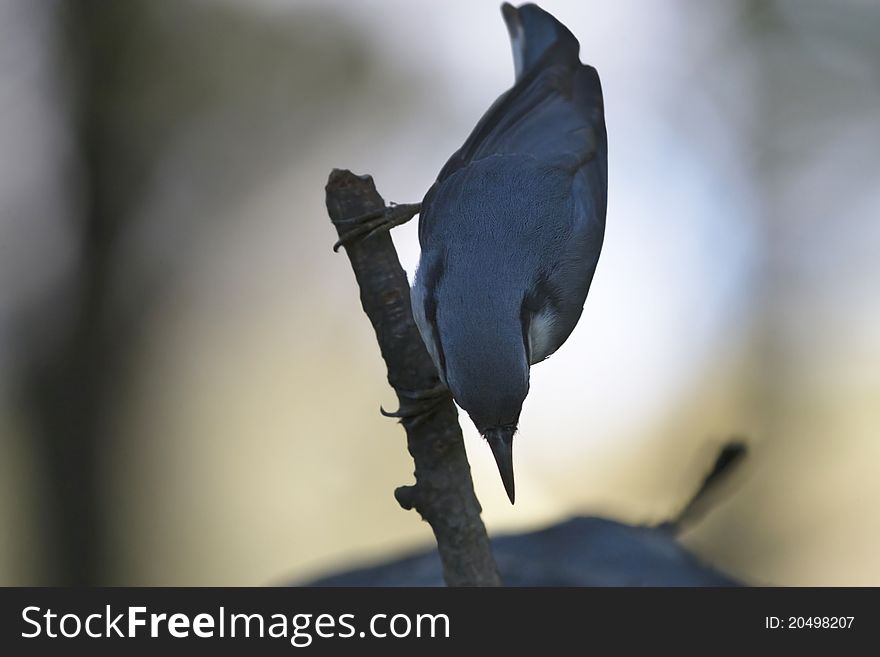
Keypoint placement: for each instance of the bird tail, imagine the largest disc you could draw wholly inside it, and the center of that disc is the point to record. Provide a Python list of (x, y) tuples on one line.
[(533, 32)]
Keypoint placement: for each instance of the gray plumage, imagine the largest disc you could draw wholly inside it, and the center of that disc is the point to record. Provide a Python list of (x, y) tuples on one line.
[(512, 229)]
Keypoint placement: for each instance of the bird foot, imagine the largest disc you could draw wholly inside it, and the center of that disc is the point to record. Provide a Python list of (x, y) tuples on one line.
[(418, 405), (381, 221)]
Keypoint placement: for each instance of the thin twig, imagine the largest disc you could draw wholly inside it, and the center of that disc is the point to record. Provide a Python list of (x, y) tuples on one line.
[(444, 492)]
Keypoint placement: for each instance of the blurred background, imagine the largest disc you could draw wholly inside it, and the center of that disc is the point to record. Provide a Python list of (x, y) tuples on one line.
[(189, 391)]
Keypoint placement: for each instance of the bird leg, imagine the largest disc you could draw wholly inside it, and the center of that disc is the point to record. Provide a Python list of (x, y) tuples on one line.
[(417, 405), (381, 221)]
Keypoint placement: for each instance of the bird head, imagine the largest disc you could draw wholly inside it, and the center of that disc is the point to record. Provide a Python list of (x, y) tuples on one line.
[(491, 387)]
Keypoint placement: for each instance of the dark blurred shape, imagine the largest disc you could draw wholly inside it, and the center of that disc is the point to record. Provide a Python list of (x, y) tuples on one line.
[(731, 456), (579, 552), (585, 551)]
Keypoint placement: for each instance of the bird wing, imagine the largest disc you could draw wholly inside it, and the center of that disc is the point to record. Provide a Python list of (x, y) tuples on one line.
[(553, 113), (554, 302), (553, 116)]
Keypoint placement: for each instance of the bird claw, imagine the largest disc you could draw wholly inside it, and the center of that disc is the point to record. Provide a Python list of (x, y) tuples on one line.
[(436, 391), (417, 405), (373, 223)]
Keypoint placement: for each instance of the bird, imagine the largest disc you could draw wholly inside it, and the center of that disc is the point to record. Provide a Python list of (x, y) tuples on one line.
[(511, 231)]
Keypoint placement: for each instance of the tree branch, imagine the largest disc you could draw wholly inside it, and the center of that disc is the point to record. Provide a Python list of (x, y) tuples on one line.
[(443, 493)]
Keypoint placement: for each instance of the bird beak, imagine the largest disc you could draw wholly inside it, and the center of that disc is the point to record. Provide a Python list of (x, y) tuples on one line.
[(501, 441)]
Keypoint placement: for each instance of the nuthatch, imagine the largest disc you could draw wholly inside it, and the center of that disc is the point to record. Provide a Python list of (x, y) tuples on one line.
[(511, 231)]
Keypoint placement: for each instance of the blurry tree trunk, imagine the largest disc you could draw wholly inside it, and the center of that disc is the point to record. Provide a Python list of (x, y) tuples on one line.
[(72, 376), (145, 84)]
